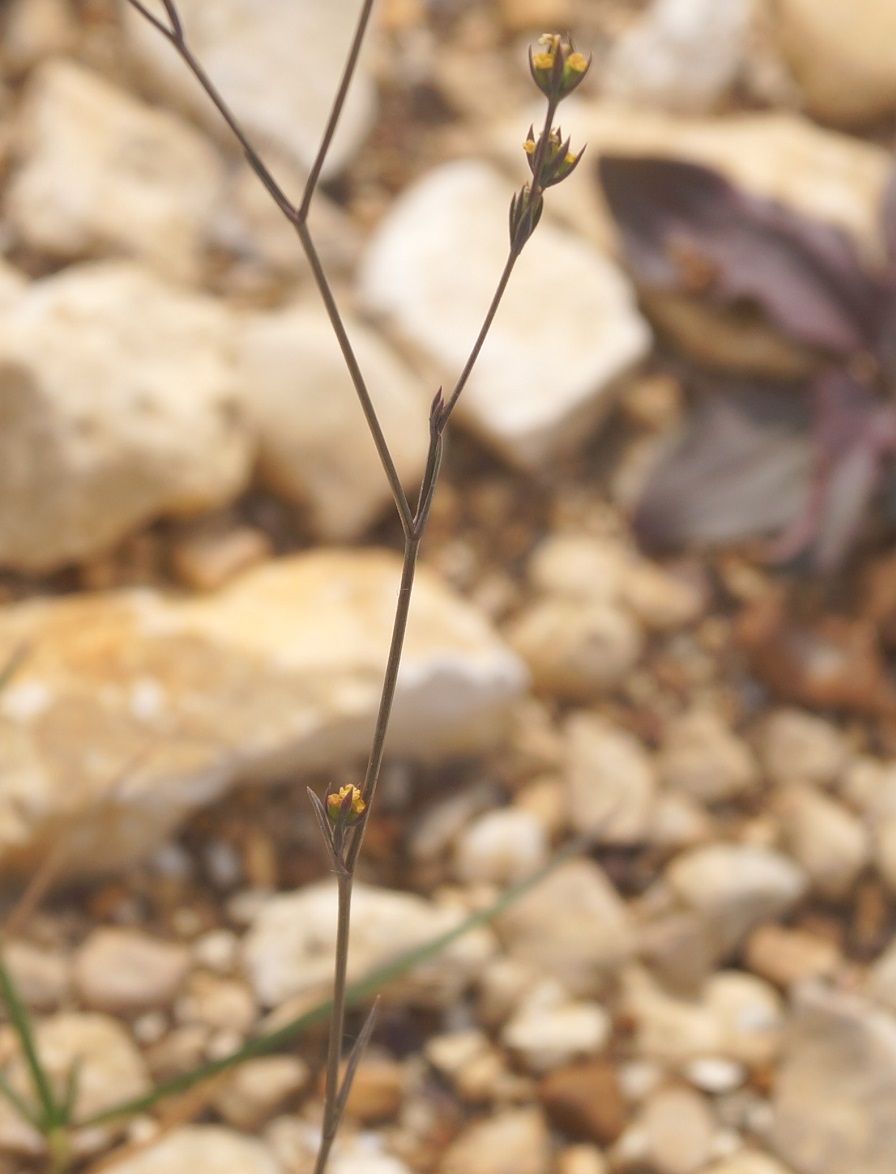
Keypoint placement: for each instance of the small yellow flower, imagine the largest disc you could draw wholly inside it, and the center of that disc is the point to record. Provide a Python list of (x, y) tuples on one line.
[(347, 799), (557, 68)]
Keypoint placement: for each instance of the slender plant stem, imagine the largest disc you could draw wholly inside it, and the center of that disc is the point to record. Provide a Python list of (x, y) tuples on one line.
[(351, 362), (483, 331), (512, 258), (336, 110), (332, 1100), (345, 848)]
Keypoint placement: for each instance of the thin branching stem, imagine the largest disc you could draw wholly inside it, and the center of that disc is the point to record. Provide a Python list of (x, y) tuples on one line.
[(512, 258), (483, 332), (344, 839), (336, 110), (297, 216), (354, 370)]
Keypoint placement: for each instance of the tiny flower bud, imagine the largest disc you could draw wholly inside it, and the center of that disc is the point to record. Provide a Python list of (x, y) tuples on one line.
[(554, 162), (345, 804), (525, 212), (556, 68)]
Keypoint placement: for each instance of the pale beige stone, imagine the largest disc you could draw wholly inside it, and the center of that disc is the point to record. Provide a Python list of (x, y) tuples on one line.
[(124, 971), (134, 709), (208, 1148), (610, 781), (501, 847), (288, 950), (669, 1028), (703, 758), (800, 747), (101, 174), (512, 1139), (315, 447), (749, 1162), (660, 600), (840, 52), (567, 328), (257, 1089), (733, 1016), (550, 1029), (572, 926), (750, 1013), (735, 886), (35, 29), (124, 385), (219, 1003), (825, 838), (576, 650), (835, 1086), (681, 54), (580, 567), (41, 975), (678, 1128)]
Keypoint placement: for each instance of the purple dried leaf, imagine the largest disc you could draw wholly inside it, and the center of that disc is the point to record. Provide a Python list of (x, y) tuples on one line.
[(685, 228), (854, 431), (739, 469)]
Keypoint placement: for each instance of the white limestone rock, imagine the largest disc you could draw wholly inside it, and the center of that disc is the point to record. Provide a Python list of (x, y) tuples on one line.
[(735, 886), (825, 838), (501, 847), (119, 405), (288, 951), (567, 327), (208, 1148), (134, 709), (681, 55), (610, 781), (124, 971), (101, 173), (703, 758), (511, 1139), (576, 650), (573, 926), (835, 1085)]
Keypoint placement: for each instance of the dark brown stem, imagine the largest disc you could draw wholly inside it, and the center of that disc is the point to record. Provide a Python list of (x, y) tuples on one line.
[(512, 258), (480, 339), (344, 851), (348, 354), (387, 695), (336, 110), (332, 1112)]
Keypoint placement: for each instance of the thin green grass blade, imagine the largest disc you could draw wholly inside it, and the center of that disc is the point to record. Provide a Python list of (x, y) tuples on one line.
[(357, 992), (19, 1103), (21, 1022)]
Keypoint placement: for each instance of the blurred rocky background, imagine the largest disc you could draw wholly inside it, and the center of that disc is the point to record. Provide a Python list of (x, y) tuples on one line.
[(657, 607)]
